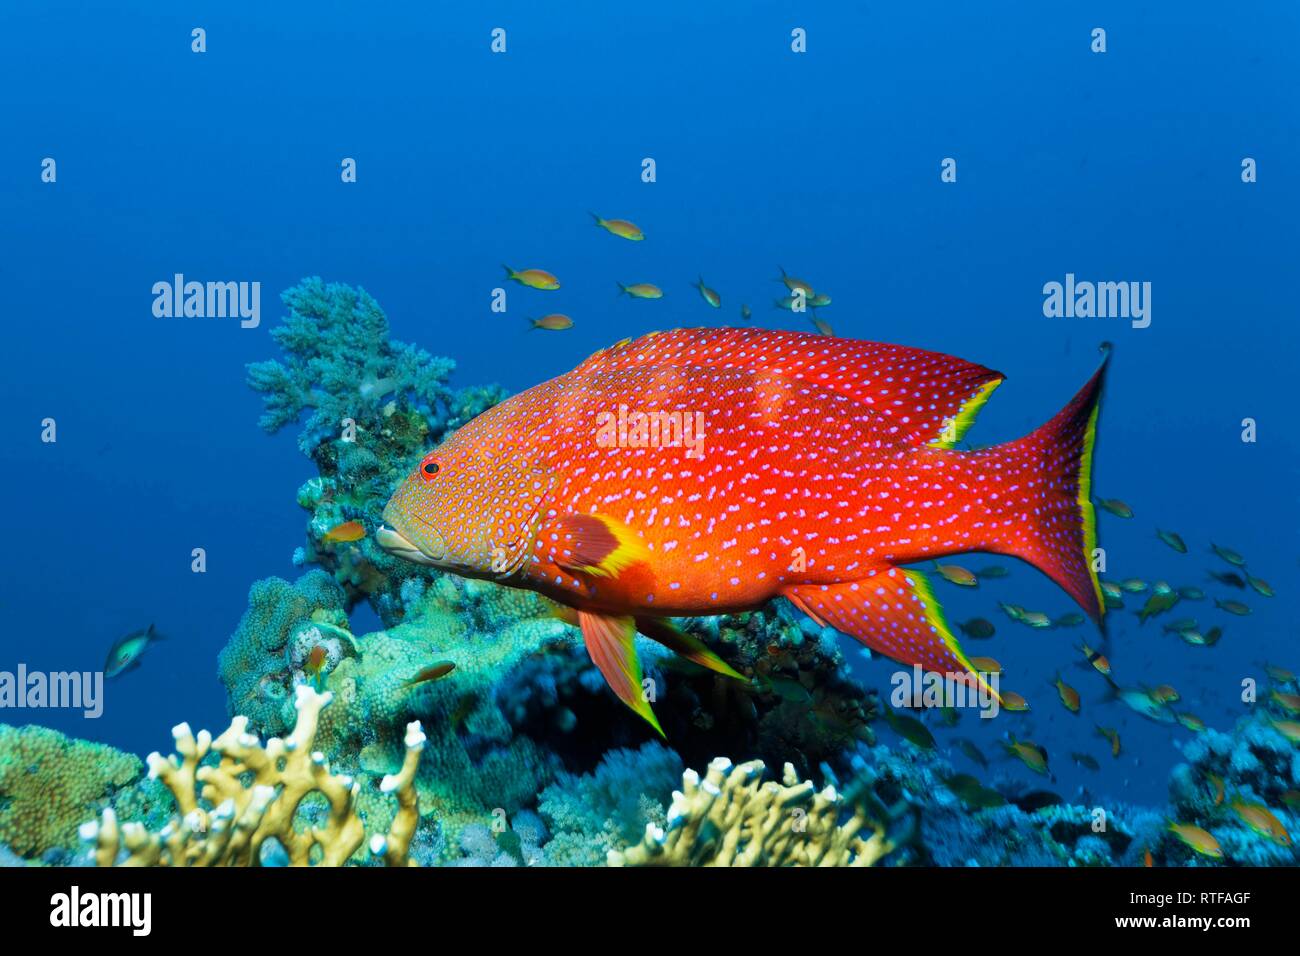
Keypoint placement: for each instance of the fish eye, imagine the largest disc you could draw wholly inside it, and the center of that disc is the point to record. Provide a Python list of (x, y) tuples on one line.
[(429, 469)]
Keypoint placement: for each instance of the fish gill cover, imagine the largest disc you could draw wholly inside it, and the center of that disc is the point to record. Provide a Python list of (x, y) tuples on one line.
[(739, 566)]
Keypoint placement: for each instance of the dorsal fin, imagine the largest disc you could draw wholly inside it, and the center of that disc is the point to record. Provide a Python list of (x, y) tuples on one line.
[(931, 398)]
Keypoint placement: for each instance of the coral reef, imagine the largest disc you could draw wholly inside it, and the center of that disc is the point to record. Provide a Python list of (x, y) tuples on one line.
[(475, 762), (340, 363), (257, 663), (373, 406), (592, 814), (243, 810), (529, 760), (733, 818), (49, 783), (516, 844), (801, 705), (1254, 765)]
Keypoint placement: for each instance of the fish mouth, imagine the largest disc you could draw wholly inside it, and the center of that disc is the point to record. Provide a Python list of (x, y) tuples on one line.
[(396, 543)]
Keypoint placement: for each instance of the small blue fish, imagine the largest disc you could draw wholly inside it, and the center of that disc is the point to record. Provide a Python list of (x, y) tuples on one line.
[(126, 651)]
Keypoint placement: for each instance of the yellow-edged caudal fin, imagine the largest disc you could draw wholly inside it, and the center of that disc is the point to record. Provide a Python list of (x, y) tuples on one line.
[(687, 645), (895, 613), (598, 545), (611, 642), (956, 427), (1061, 538)]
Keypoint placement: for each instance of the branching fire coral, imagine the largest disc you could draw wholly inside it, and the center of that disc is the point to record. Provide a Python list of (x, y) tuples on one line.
[(255, 793), (733, 818)]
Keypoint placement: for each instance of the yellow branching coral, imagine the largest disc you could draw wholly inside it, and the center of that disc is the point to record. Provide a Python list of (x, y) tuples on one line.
[(733, 818), (255, 792)]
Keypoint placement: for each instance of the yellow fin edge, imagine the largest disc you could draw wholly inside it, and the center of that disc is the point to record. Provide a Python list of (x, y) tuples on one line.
[(1086, 508), (965, 417), (934, 616)]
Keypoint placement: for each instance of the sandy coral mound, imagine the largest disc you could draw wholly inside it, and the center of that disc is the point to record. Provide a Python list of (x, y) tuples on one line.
[(49, 783)]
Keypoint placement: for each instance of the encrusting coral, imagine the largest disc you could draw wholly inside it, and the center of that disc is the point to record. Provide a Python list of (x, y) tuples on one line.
[(243, 809), (733, 818), (258, 662), (49, 783)]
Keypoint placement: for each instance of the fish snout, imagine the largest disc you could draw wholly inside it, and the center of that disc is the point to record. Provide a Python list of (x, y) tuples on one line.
[(430, 550)]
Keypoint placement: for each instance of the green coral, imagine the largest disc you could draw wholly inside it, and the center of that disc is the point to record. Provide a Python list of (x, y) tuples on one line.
[(254, 666), (608, 810), (340, 363), (375, 406), (475, 761), (50, 783)]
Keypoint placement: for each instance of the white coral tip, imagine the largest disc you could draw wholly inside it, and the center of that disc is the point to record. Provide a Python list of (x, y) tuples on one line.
[(181, 731), (378, 845), (89, 831), (720, 764), (415, 736), (388, 784), (317, 758), (155, 762)]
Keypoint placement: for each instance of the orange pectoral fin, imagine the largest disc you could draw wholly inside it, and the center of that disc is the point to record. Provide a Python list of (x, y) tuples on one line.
[(597, 544), (687, 645), (611, 642), (893, 612)]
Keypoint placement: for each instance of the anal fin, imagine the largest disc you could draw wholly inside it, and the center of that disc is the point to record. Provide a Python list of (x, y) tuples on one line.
[(893, 612)]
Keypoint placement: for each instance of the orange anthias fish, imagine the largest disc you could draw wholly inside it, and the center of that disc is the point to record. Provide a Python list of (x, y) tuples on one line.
[(347, 531), (707, 471), (314, 666), (1261, 819), (1200, 840), (533, 278), (555, 322), (435, 671), (620, 227), (1069, 696)]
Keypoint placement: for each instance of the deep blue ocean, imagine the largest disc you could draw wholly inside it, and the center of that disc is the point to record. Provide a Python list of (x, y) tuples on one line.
[(225, 166)]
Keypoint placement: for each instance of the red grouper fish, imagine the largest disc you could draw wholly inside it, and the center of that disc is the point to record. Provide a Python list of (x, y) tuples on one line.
[(707, 471)]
